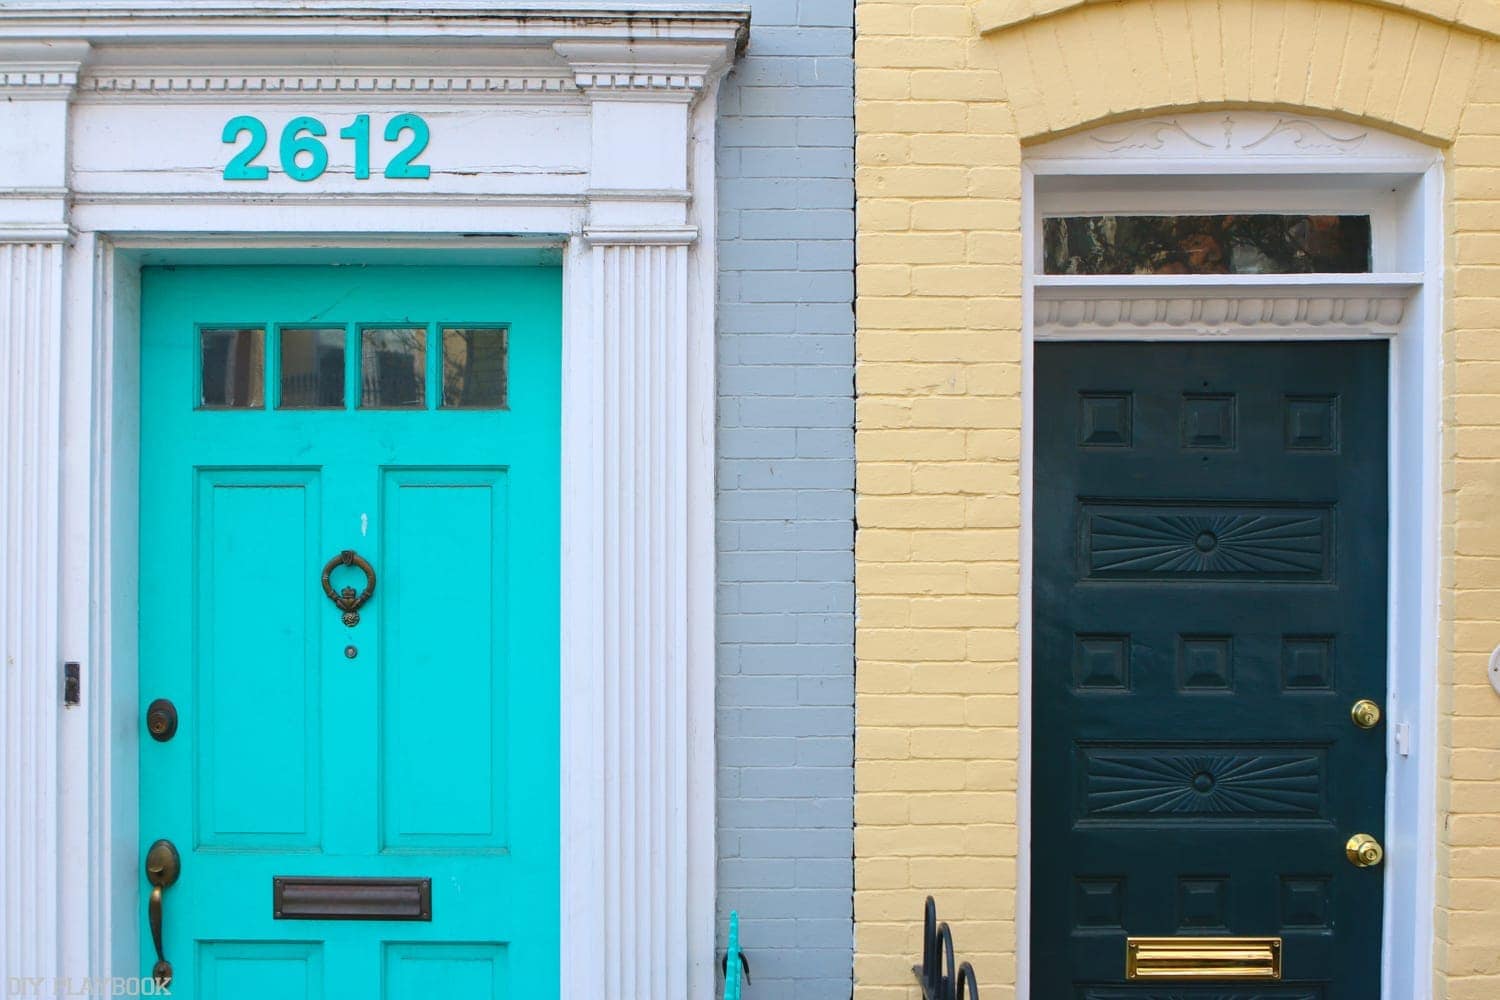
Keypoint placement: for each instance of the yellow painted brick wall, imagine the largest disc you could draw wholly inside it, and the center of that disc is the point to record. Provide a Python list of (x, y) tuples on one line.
[(943, 115)]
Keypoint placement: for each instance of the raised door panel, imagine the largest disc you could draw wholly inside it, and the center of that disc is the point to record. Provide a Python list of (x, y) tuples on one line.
[(256, 716), (445, 693), (254, 970), (474, 971)]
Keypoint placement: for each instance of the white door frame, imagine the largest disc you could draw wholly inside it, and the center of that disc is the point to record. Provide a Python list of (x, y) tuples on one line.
[(589, 136), (1242, 161)]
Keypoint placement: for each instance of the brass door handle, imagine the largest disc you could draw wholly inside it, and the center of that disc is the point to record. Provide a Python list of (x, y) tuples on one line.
[(163, 865), (1364, 851)]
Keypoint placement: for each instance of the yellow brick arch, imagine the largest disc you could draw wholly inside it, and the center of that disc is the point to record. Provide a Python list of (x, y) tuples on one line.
[(1481, 16), (1091, 62)]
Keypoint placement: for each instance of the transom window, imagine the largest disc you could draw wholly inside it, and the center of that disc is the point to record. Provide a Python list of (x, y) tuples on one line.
[(311, 367), (1206, 244)]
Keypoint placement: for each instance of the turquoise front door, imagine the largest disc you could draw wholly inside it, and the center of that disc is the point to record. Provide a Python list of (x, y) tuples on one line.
[(364, 800)]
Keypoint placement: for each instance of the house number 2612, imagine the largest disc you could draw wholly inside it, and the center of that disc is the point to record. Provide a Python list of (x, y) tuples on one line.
[(304, 156)]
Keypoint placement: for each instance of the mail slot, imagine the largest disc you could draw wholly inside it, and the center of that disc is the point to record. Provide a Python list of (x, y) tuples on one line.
[(1197, 958), (321, 898)]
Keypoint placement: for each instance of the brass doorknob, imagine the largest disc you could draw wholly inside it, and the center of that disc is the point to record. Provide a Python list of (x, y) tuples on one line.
[(163, 865), (1365, 713), (1364, 851)]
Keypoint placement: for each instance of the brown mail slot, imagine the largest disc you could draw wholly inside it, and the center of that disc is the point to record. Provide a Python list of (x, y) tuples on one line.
[(296, 897), (1203, 958)]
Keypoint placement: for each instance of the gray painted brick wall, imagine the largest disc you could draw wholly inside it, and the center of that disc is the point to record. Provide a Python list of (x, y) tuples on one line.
[(786, 499)]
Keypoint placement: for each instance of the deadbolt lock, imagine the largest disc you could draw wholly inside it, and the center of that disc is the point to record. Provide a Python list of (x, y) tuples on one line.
[(161, 720), (1364, 851), (1365, 713)]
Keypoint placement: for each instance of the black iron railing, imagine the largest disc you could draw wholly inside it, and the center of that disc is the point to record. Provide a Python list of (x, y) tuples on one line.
[(939, 979)]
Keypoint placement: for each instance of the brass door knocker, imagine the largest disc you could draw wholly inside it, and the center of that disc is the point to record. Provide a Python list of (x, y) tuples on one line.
[(346, 600)]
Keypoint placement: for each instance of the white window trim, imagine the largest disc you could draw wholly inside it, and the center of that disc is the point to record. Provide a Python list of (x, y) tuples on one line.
[(638, 883), (1275, 161)]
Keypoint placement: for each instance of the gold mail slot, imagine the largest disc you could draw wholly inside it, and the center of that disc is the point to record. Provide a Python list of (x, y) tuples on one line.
[(1203, 958)]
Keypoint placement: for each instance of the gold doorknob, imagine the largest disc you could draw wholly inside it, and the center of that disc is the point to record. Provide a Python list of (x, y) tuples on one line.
[(1364, 851), (1365, 713)]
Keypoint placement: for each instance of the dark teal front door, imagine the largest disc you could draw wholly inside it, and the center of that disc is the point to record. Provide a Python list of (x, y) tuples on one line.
[(364, 800), (1209, 602)]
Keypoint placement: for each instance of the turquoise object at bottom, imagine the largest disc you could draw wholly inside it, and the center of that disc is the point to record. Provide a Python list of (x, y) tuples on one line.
[(732, 959)]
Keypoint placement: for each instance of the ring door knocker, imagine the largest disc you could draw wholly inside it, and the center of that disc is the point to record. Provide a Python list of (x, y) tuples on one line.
[(346, 600)]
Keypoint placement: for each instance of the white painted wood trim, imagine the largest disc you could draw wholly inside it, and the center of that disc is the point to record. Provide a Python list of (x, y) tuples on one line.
[(1408, 228), (379, 21), (637, 240), (1078, 307), (1029, 236), (31, 296), (641, 314), (702, 561)]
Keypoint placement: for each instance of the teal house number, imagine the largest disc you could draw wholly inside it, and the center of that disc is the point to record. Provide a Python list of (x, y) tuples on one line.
[(304, 155)]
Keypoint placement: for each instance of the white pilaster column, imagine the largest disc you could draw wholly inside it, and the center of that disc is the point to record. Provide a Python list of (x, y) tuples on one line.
[(638, 793), (36, 82)]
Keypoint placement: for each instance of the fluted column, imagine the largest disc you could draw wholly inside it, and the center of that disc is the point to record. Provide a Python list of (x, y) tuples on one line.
[(36, 82), (30, 692), (637, 658), (638, 651), (640, 295)]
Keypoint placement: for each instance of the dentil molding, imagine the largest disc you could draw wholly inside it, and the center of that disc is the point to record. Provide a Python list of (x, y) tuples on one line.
[(475, 87), (40, 71), (662, 70)]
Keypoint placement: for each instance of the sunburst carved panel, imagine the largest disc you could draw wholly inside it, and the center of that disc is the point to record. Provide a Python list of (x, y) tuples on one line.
[(1139, 541), (1234, 783)]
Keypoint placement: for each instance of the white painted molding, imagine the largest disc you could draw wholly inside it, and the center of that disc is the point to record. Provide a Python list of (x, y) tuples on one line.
[(284, 22), (634, 598), (37, 81), (29, 232), (663, 236), (1206, 136), (1235, 140), (37, 84), (1292, 133), (1224, 307), (637, 71), (31, 71), (31, 290), (601, 82), (469, 87)]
